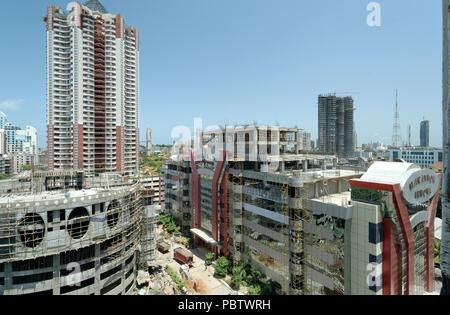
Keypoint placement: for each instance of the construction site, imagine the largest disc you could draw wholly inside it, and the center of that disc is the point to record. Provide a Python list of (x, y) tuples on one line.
[(303, 222), (259, 209), (70, 233)]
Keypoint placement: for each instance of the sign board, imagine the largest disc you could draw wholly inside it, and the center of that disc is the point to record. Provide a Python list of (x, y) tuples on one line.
[(420, 186)]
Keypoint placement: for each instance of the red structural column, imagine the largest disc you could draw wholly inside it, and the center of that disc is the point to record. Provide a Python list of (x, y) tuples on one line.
[(408, 237), (78, 149), (196, 190), (429, 234), (224, 213), (215, 194), (118, 24)]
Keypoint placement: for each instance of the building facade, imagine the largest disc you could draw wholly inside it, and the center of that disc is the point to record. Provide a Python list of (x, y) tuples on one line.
[(425, 134), (92, 90), (305, 140), (153, 189), (392, 230), (314, 231), (425, 157), (336, 125), (66, 225)]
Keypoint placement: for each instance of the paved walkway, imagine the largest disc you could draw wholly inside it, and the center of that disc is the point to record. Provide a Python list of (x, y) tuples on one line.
[(205, 281)]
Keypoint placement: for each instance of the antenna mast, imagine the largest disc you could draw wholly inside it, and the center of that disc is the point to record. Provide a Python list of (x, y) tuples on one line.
[(396, 135)]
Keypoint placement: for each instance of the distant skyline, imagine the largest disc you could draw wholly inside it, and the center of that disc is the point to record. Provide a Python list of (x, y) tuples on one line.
[(236, 62)]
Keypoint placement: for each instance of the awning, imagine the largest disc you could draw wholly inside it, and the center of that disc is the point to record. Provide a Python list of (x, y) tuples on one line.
[(204, 235)]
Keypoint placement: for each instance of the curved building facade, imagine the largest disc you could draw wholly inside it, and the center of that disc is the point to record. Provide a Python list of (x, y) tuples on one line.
[(77, 242)]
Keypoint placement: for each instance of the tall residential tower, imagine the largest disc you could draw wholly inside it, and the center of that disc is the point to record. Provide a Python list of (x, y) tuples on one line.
[(92, 90)]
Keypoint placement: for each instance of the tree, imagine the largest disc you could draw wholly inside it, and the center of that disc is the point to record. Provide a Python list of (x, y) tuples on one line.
[(254, 276), (236, 280), (209, 258), (437, 252), (238, 275), (270, 288), (222, 266), (254, 290), (27, 167)]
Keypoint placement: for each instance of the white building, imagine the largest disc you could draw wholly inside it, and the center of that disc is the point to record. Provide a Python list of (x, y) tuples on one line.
[(424, 157), (19, 160), (92, 90), (363, 154), (15, 140), (3, 142), (305, 140)]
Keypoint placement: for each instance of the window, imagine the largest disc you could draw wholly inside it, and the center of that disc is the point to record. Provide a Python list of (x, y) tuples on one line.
[(110, 287), (375, 233)]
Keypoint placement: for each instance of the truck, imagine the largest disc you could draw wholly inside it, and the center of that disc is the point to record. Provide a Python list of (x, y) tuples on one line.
[(183, 256), (163, 247)]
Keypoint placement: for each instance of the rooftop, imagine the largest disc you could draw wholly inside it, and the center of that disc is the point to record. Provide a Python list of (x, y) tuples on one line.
[(341, 199)]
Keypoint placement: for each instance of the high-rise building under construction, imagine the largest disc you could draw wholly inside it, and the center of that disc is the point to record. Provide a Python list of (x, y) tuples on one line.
[(336, 122), (92, 90)]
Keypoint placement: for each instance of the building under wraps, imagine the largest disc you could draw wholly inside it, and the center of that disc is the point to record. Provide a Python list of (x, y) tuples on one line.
[(69, 234), (301, 223)]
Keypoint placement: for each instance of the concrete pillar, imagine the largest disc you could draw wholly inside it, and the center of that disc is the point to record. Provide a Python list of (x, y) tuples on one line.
[(282, 166), (56, 283), (124, 271), (97, 269), (8, 278), (305, 165)]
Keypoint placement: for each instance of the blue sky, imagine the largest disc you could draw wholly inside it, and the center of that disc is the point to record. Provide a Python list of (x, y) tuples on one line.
[(240, 61)]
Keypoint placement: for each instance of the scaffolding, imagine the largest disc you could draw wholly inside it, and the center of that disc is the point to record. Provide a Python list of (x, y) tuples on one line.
[(148, 237), (47, 223), (237, 218)]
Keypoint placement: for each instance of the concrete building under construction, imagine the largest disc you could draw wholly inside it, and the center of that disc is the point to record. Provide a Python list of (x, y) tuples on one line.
[(71, 235), (336, 125), (247, 205), (302, 222)]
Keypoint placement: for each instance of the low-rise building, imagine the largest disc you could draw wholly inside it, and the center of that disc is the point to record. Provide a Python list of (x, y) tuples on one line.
[(153, 189), (424, 157)]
